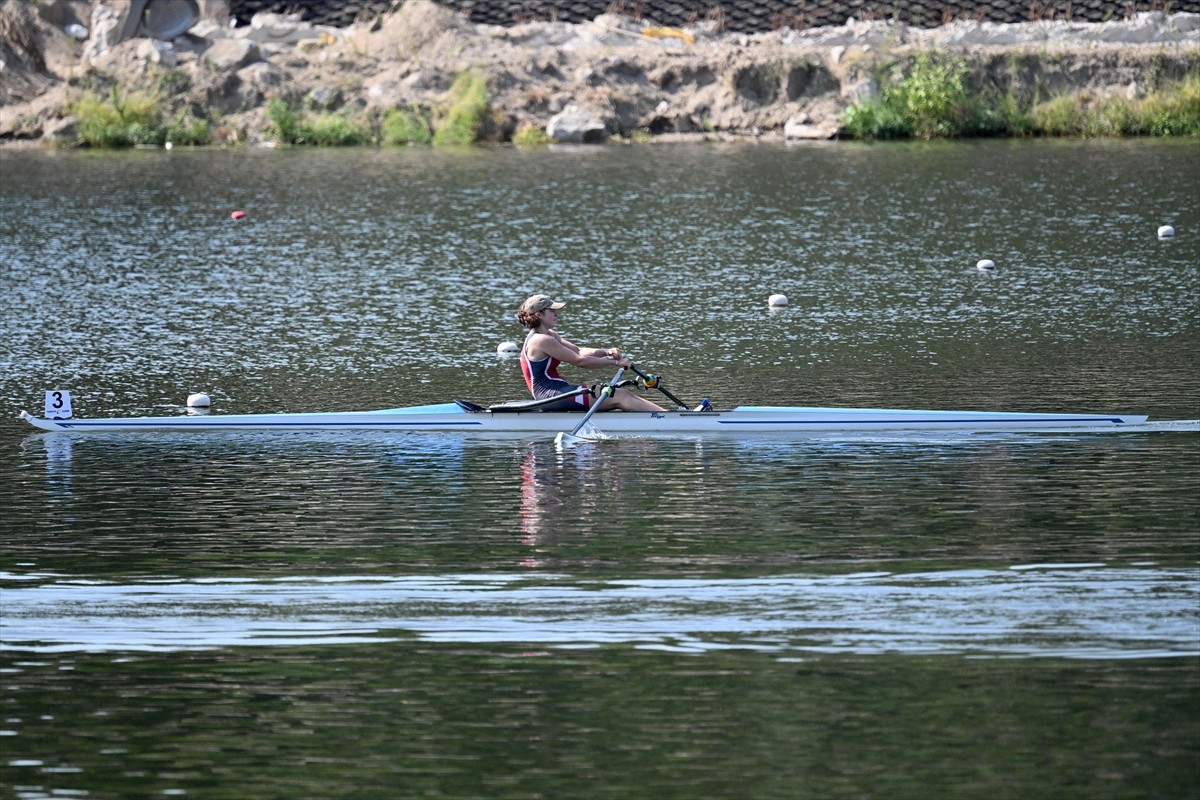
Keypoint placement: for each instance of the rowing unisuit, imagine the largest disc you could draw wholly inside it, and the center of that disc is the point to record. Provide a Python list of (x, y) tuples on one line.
[(543, 380)]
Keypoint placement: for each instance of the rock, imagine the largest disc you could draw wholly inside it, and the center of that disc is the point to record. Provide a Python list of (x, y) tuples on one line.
[(251, 87), (804, 129), (57, 13), (260, 74), (105, 31), (62, 131), (152, 51), (575, 125), (269, 28), (325, 98), (225, 55), (860, 92), (210, 29)]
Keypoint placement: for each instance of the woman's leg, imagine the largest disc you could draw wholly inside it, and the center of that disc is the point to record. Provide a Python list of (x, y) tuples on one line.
[(628, 401)]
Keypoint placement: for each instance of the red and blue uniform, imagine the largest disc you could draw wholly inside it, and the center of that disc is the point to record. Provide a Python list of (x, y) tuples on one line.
[(543, 380)]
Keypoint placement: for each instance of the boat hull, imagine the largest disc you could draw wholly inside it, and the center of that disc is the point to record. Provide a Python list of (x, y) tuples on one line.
[(747, 419)]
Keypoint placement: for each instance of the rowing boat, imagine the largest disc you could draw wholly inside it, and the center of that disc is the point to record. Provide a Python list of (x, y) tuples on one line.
[(520, 418), (533, 416)]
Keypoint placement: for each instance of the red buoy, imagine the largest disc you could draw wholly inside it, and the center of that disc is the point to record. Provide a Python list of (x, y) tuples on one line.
[(238, 215)]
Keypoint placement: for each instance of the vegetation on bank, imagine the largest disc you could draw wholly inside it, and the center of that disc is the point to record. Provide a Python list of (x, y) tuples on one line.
[(932, 99), (136, 118), (929, 97), (459, 120)]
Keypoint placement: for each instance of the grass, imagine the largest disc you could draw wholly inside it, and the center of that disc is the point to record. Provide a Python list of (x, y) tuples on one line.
[(135, 118), (406, 126), (464, 114), (461, 120), (188, 130), (932, 99), (119, 120), (326, 130), (1171, 111), (529, 135), (334, 130)]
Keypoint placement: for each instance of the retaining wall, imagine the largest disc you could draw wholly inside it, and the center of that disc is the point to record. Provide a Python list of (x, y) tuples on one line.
[(746, 16)]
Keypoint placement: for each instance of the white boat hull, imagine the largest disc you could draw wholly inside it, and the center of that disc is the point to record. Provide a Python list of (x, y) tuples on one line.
[(742, 420)]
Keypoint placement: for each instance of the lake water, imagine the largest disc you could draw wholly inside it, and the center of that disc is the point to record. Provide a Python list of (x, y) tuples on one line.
[(381, 615)]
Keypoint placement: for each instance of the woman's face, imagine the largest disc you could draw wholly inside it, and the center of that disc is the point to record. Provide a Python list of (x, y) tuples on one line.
[(549, 317)]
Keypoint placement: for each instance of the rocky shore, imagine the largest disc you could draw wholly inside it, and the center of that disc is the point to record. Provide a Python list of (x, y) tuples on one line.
[(613, 76)]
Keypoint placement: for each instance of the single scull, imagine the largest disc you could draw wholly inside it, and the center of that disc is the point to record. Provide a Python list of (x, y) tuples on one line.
[(520, 418)]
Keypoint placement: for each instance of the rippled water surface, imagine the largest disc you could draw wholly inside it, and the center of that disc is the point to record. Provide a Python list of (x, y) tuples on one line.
[(412, 615)]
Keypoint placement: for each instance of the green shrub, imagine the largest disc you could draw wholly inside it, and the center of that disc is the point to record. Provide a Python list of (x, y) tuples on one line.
[(1005, 117), (187, 130), (932, 97), (1175, 112), (466, 110), (1171, 111), (531, 136), (641, 136), (875, 119), (333, 130), (405, 126), (327, 130), (928, 101), (931, 100), (119, 121), (284, 123), (1060, 116)]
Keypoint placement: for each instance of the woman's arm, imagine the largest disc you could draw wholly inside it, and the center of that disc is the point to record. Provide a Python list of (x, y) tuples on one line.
[(588, 358), (613, 353)]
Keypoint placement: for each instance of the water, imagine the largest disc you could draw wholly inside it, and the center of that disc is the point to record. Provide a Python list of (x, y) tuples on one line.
[(412, 615)]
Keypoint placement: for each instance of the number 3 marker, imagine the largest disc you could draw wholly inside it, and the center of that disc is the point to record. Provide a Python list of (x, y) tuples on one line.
[(58, 404)]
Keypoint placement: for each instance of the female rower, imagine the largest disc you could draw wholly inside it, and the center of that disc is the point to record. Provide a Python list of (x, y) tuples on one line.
[(544, 350)]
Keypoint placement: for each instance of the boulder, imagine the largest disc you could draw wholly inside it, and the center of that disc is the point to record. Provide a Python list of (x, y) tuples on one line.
[(153, 51), (803, 128), (575, 125), (225, 55), (62, 131), (104, 32), (325, 98), (284, 29)]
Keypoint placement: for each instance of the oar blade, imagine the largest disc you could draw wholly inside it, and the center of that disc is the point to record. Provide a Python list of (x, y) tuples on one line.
[(604, 393), (564, 439)]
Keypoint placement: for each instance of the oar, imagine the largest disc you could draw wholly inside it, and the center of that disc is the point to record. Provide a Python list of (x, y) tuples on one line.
[(571, 438), (529, 405), (651, 382)]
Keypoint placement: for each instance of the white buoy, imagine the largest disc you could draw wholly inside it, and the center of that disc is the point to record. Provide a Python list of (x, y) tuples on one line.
[(985, 264), (199, 400), (508, 347), (776, 300), (1165, 232), (168, 145)]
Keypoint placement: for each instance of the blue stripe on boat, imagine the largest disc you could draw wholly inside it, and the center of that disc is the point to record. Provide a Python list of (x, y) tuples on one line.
[(894, 421)]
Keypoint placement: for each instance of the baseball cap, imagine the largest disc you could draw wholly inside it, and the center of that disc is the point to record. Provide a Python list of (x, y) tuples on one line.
[(540, 302)]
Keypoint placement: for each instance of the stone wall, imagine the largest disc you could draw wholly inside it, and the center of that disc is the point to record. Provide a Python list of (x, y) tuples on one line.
[(746, 16)]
